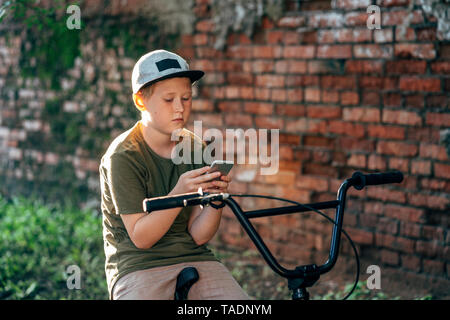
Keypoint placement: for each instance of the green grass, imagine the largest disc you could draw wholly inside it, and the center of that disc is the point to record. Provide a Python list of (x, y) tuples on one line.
[(39, 242)]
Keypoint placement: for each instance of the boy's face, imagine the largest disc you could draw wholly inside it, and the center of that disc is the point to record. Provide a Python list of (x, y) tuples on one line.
[(169, 106)]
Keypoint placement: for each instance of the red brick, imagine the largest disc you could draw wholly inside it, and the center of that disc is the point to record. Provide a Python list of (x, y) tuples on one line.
[(370, 98), (390, 257), (346, 128), (274, 36), (386, 194), (290, 139), (410, 230), (230, 106), (353, 35), (334, 51), (302, 52), (319, 184), (430, 201), (291, 110), (262, 93), (330, 96), (315, 141), (356, 144), (396, 17), (295, 95), (386, 132), (402, 34), (420, 167), (364, 66), (438, 119), (349, 98), (405, 213), (414, 101), (360, 236), (433, 151), (411, 262), (361, 114), (351, 4), (264, 52), (375, 162), (373, 51), (203, 105), (395, 243), (406, 66), (357, 161), (356, 19), (279, 95), (383, 35), (296, 66), (411, 50), (433, 267), (392, 100), (401, 117), (262, 66), (426, 34), (235, 78), (433, 233), (312, 95), (442, 170), (399, 164), (239, 52), (243, 120), (378, 82), (338, 82), (420, 84), (295, 81), (328, 19), (291, 22), (205, 26), (269, 122), (397, 148), (259, 108), (325, 67), (438, 101), (442, 67), (270, 81)]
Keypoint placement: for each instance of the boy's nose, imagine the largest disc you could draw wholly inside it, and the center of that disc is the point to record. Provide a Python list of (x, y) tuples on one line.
[(178, 105)]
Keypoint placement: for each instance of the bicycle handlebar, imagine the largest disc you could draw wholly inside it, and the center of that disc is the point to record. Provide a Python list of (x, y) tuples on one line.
[(361, 180), (358, 180)]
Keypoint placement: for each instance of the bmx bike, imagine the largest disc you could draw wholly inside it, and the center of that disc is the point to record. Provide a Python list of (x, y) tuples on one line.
[(302, 277)]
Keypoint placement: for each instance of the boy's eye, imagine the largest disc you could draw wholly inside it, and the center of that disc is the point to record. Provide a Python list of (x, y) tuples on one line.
[(186, 99), (168, 100)]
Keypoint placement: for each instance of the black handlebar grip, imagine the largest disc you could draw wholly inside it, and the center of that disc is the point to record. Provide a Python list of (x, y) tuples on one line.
[(167, 202), (361, 180)]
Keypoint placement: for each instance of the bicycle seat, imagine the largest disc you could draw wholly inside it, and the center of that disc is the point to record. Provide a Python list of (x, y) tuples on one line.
[(186, 278)]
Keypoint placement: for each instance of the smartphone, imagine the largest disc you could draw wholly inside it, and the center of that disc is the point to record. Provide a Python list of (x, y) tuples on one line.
[(224, 167)]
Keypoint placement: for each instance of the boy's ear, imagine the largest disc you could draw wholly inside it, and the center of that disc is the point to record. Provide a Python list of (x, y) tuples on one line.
[(138, 102)]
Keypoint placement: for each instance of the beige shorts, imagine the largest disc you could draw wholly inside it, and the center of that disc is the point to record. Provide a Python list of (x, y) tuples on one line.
[(215, 283)]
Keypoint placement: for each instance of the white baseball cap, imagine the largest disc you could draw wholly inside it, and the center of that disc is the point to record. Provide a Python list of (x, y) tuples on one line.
[(159, 65)]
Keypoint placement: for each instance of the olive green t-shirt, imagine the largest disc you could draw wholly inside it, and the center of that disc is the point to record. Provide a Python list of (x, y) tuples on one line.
[(131, 171)]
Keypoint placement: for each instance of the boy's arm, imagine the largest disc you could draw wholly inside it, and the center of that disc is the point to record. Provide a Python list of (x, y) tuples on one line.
[(204, 223)]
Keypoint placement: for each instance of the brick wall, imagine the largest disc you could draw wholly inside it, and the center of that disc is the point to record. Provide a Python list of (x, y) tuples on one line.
[(345, 98)]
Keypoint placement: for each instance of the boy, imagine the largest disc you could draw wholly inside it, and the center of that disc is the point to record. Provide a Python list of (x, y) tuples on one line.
[(145, 252)]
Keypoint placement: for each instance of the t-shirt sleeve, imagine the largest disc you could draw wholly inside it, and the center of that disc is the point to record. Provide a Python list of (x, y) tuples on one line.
[(127, 185)]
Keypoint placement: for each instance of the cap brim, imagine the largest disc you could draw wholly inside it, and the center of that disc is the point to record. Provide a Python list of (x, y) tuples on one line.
[(194, 75)]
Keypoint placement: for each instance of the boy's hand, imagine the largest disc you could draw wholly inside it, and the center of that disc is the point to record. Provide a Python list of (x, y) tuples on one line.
[(190, 181), (220, 185)]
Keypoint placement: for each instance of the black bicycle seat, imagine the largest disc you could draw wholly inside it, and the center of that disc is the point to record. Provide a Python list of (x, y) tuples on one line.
[(186, 278)]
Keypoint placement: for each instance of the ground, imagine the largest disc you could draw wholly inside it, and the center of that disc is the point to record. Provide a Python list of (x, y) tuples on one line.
[(260, 282)]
